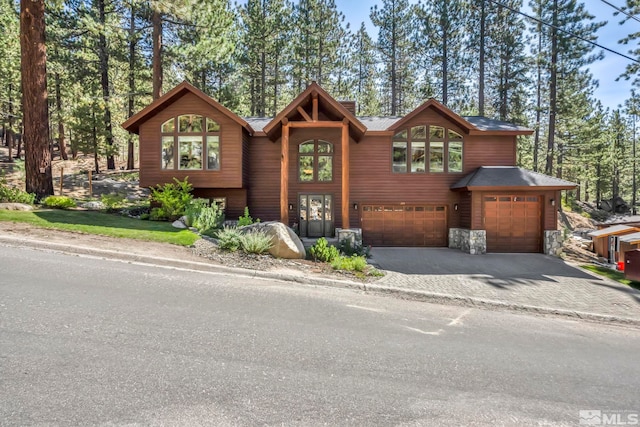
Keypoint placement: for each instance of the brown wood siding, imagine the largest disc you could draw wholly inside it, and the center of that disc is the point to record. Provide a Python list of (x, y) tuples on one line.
[(264, 179), (236, 199), (230, 173), (246, 161), (464, 210)]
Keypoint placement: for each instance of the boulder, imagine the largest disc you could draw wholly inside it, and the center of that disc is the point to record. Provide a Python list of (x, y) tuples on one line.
[(16, 207), (180, 223), (94, 205), (286, 243)]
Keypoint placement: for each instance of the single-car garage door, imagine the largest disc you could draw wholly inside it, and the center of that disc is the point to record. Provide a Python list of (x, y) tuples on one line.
[(404, 225), (513, 223)]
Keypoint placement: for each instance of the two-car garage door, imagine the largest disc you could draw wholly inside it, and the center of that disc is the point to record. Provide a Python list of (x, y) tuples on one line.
[(513, 223), (404, 225)]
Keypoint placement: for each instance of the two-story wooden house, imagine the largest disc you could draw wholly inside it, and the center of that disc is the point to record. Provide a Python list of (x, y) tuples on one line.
[(431, 178)]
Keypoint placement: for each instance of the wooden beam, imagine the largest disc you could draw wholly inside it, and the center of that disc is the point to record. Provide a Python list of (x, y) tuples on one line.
[(314, 112), (303, 113), (321, 124), (284, 174), (345, 175)]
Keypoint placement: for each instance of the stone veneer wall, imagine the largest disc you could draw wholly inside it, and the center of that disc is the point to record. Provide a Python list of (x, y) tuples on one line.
[(470, 241), (553, 242), (353, 235)]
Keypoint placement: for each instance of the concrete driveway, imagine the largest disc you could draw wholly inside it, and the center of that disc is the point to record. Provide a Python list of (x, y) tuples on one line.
[(526, 280)]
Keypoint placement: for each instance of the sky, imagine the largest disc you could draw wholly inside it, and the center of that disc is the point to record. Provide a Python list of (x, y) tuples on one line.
[(610, 92)]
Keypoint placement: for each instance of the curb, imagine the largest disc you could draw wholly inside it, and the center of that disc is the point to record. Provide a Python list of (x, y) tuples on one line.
[(372, 288)]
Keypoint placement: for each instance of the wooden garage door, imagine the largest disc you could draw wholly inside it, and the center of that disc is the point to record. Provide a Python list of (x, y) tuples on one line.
[(513, 223), (404, 225)]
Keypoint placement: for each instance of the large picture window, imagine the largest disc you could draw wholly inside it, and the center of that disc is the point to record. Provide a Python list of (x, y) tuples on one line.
[(190, 142), (423, 148), (315, 161)]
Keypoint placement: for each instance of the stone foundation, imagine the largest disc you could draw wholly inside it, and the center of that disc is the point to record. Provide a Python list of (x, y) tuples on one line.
[(351, 235), (553, 242), (473, 242)]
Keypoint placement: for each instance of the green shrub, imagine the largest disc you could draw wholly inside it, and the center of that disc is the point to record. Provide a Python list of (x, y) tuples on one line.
[(229, 239), (112, 201), (158, 214), (256, 242), (322, 252), (192, 211), (349, 263), (246, 218), (210, 218), (173, 199), (59, 202), (346, 248), (10, 194), (204, 217)]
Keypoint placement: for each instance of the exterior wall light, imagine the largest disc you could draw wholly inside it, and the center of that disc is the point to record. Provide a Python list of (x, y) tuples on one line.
[(455, 207), (355, 206), (553, 202), (290, 206)]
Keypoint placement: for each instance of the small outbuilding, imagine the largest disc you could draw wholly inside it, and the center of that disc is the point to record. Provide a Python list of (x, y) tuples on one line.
[(606, 242)]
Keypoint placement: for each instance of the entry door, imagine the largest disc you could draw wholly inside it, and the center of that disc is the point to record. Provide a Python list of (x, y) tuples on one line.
[(316, 215)]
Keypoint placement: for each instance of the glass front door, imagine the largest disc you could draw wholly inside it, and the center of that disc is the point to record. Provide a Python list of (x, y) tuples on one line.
[(316, 215)]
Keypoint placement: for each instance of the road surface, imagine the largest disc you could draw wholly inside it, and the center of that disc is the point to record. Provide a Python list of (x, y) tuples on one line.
[(86, 341)]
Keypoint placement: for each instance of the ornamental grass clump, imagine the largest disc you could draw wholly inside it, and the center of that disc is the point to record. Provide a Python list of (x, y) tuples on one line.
[(229, 239), (256, 242)]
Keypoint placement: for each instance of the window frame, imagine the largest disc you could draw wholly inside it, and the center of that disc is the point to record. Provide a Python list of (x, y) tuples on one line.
[(315, 156), (180, 137), (434, 137)]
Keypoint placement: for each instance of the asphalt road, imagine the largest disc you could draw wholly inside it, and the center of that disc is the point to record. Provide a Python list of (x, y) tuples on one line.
[(85, 341)]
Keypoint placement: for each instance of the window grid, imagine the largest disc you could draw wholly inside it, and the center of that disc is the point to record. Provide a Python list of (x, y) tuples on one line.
[(190, 142), (427, 148)]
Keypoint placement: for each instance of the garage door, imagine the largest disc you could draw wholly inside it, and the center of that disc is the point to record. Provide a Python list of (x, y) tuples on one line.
[(513, 223), (404, 225)]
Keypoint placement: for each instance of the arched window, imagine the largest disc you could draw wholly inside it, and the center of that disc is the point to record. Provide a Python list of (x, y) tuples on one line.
[(427, 148), (190, 142), (315, 161)]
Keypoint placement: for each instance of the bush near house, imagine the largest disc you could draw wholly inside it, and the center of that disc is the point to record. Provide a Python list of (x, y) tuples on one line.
[(173, 198), (246, 219), (58, 202)]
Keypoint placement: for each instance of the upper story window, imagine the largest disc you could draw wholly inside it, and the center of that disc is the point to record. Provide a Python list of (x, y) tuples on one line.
[(425, 148), (190, 142), (315, 161)]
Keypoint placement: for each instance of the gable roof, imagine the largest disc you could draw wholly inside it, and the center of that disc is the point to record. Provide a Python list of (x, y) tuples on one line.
[(509, 177), (632, 238), (132, 124), (441, 109), (328, 104), (616, 229)]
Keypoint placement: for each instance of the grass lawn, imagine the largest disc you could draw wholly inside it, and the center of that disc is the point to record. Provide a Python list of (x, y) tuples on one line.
[(612, 274), (103, 224)]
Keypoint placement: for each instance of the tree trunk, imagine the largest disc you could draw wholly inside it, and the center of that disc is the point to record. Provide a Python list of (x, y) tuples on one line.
[(132, 83), (94, 135), (481, 59), (553, 89), (104, 81), (445, 51), (9, 131), (61, 142), (156, 20), (33, 60)]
